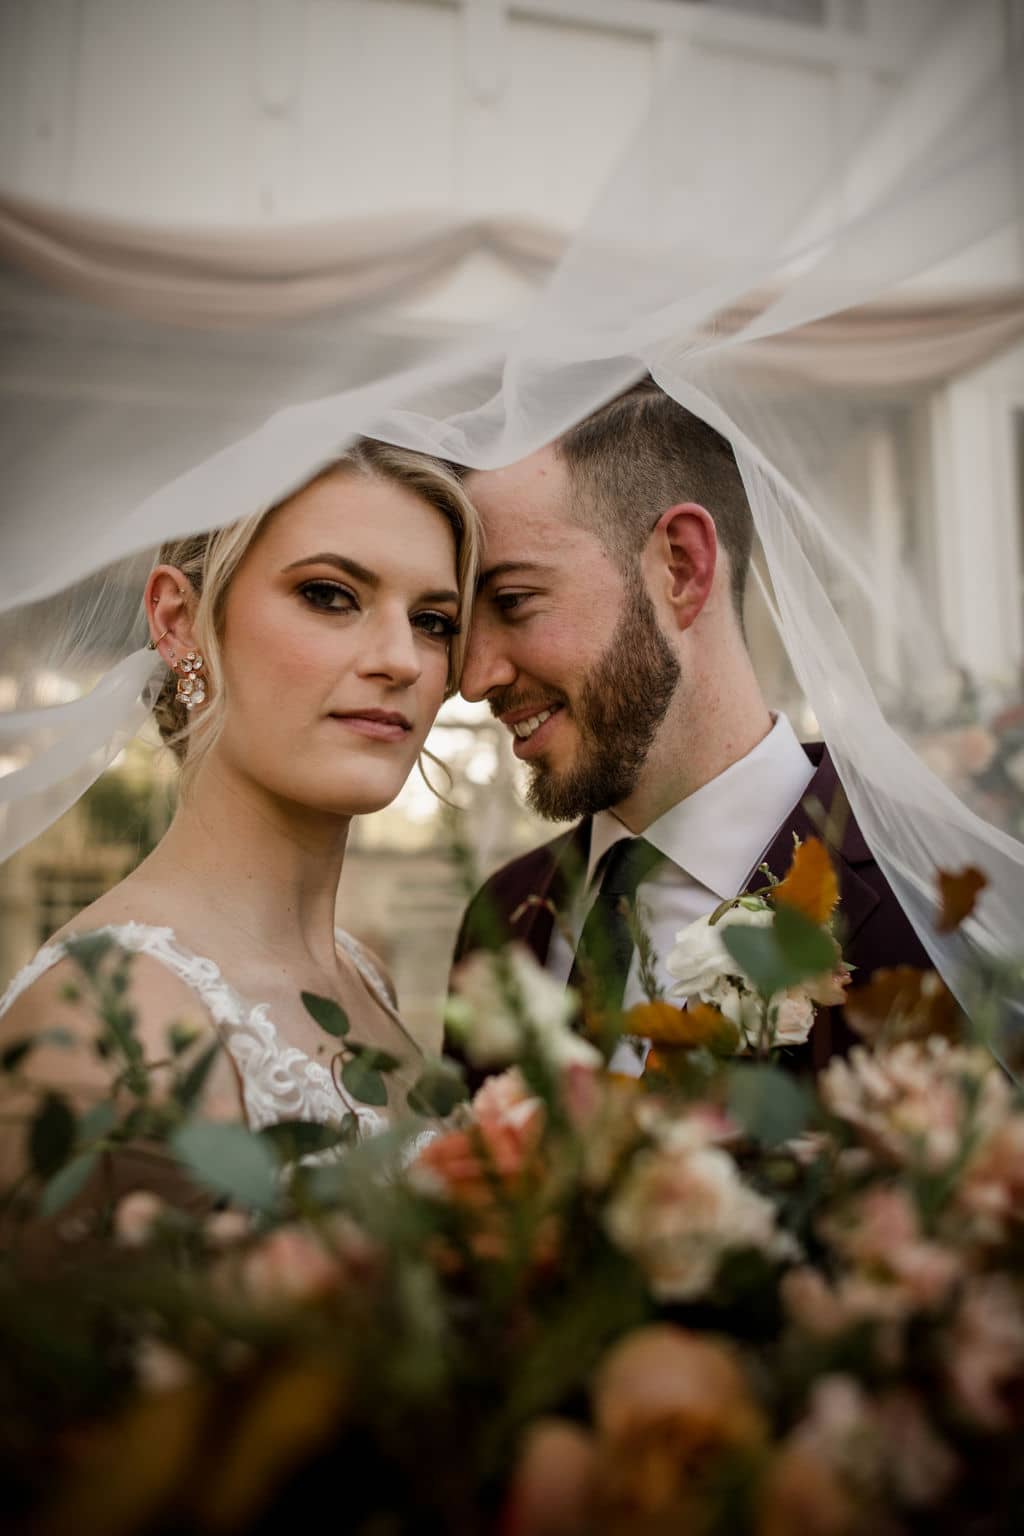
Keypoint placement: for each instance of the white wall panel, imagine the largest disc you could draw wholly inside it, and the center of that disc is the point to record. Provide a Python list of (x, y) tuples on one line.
[(165, 112), (379, 109), (568, 100)]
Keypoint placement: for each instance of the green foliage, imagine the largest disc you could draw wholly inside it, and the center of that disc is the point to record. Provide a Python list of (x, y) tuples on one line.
[(793, 949), (440, 1086), (325, 1011), (51, 1135), (89, 951), (770, 1104), (68, 1182), (188, 1089), (294, 1139), (231, 1160), (97, 1122), (363, 1074)]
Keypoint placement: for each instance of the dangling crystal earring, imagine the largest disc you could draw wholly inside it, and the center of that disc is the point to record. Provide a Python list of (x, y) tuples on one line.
[(192, 683)]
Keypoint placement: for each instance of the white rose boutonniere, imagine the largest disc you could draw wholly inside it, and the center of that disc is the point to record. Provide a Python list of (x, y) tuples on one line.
[(705, 971)]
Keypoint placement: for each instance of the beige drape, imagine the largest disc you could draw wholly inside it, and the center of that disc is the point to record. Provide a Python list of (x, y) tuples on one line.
[(211, 278), (247, 277)]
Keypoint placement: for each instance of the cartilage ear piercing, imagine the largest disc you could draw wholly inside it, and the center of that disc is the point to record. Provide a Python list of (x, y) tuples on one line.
[(192, 682)]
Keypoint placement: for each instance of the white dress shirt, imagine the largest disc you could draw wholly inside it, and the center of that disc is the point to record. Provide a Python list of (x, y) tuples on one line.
[(712, 843)]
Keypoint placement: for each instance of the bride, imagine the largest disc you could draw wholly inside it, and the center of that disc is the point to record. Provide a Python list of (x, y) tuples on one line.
[(308, 650)]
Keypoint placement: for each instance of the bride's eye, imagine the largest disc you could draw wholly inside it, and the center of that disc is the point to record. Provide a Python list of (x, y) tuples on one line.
[(438, 626), (328, 596)]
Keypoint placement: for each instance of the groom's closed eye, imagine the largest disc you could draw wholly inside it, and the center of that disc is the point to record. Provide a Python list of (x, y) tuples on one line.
[(512, 603)]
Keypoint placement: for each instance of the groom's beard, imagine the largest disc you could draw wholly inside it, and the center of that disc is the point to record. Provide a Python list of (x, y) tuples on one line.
[(620, 707)]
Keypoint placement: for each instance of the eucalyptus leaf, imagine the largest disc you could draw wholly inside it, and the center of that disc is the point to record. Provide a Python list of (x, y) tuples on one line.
[(292, 1139), (67, 1182), (325, 1011), (189, 1088), (757, 953), (89, 950), (16, 1052), (372, 1056), (364, 1082), (805, 944), (51, 1135), (96, 1122), (12, 1058), (437, 1090), (770, 1104), (180, 1036), (229, 1159)]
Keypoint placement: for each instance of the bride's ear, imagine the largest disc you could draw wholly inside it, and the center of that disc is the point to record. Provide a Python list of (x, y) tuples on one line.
[(170, 612)]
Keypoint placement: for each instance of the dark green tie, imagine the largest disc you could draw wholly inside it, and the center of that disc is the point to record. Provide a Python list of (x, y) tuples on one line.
[(605, 949)]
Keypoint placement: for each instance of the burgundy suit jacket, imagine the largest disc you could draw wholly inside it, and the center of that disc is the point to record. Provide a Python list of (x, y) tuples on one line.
[(875, 931)]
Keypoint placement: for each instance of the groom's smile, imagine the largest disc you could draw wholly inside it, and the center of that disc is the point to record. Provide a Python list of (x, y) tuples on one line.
[(528, 725)]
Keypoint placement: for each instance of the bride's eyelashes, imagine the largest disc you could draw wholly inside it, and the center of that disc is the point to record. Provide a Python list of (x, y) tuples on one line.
[(333, 597), (436, 626), (329, 596)]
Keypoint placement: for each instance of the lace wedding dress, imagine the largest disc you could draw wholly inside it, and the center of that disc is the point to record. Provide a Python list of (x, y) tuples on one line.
[(279, 1082)]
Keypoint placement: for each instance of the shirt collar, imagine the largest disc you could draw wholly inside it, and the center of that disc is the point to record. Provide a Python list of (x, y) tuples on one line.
[(719, 834)]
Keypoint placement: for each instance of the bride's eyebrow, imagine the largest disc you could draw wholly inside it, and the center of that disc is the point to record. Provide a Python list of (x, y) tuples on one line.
[(367, 577), (350, 567)]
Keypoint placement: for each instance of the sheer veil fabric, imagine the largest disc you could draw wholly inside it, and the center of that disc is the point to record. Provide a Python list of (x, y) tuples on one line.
[(719, 244)]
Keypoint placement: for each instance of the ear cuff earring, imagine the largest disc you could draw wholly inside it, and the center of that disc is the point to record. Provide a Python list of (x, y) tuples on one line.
[(192, 682)]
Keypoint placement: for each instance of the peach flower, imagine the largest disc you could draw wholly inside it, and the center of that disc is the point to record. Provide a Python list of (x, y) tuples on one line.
[(669, 1407), (880, 1234), (986, 1353), (136, 1216), (991, 1192), (290, 1264), (552, 1486), (803, 1494), (681, 1207), (490, 1163), (908, 1101)]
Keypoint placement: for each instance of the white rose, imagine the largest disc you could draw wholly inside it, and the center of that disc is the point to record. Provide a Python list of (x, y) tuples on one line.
[(699, 958), (740, 1007), (504, 1000)]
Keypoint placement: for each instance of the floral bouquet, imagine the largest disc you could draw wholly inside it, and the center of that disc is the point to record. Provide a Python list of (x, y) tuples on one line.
[(718, 1298)]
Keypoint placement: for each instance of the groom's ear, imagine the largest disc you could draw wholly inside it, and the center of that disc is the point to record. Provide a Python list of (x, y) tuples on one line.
[(170, 612), (683, 551)]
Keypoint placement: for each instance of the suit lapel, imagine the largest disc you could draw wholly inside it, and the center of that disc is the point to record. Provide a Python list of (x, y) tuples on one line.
[(557, 885), (824, 812)]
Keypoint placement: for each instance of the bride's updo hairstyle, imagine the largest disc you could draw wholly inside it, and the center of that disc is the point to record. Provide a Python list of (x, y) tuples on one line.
[(210, 560)]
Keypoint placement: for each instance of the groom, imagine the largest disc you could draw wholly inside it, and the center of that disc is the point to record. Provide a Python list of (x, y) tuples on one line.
[(608, 637)]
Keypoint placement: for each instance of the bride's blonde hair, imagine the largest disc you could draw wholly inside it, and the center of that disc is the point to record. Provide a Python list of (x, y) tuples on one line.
[(209, 561)]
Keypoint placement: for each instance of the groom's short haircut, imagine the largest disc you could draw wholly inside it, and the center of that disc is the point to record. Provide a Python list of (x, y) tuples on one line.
[(642, 453)]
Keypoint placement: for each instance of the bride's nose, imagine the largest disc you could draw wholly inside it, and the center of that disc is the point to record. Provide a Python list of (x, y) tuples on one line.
[(389, 650)]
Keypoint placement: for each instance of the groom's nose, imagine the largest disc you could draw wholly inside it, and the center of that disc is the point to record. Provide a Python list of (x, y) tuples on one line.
[(487, 665)]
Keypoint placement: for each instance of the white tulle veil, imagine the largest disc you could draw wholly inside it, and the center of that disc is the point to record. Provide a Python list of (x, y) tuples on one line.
[(781, 296)]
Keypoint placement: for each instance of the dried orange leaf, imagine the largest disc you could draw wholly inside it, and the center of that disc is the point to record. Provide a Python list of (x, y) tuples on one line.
[(698, 1024), (902, 1003), (810, 884), (958, 895)]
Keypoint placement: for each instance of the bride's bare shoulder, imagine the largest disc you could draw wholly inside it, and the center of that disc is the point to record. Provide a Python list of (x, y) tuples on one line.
[(55, 997)]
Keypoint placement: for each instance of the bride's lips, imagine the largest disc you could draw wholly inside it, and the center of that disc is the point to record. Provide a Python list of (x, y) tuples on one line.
[(377, 724)]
